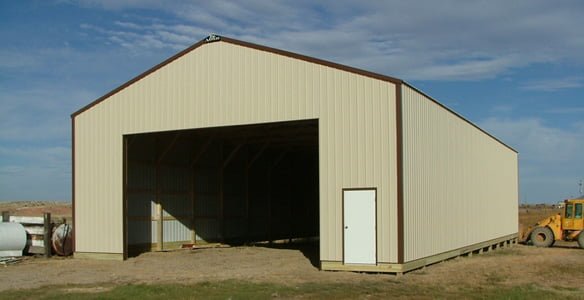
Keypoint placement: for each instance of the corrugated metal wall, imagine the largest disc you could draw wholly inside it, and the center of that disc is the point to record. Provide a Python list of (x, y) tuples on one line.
[(225, 84), (460, 185), (142, 199)]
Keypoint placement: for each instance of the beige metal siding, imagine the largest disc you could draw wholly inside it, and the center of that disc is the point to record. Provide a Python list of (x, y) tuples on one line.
[(225, 84), (460, 185)]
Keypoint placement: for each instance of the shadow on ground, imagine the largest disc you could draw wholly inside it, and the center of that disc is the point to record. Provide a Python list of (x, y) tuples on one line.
[(310, 250)]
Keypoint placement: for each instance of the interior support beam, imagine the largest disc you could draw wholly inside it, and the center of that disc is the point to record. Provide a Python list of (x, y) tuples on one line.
[(290, 214), (221, 204), (232, 155), (158, 201), (200, 153), (258, 155), (192, 194), (246, 178), (159, 229), (278, 160), (275, 163), (269, 229), (168, 148)]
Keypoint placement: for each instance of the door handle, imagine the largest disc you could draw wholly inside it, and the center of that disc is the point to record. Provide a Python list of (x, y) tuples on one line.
[(346, 227)]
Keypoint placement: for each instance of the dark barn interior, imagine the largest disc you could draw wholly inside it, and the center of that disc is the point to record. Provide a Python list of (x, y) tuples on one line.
[(231, 185)]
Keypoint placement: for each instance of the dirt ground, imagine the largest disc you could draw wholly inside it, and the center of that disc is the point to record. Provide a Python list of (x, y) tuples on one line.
[(557, 267)]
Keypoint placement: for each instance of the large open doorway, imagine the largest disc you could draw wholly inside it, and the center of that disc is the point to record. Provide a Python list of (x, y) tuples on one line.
[(231, 185)]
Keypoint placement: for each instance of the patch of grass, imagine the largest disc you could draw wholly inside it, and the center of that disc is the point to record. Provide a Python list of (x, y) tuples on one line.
[(566, 268), (528, 292), (248, 290), (495, 278)]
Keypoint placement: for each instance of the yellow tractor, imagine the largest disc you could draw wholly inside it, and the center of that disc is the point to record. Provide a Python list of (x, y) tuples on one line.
[(567, 227)]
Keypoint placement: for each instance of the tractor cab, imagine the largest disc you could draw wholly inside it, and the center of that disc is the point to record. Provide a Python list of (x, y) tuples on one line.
[(573, 214)]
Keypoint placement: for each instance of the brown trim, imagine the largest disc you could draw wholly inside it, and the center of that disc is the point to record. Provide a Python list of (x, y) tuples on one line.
[(343, 220), (518, 185), (125, 195), (400, 172), (458, 115), (73, 181)]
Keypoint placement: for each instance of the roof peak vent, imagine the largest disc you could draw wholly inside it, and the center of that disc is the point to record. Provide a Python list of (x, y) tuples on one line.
[(212, 38)]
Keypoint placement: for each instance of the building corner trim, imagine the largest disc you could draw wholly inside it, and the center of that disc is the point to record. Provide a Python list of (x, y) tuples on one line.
[(73, 182), (400, 172)]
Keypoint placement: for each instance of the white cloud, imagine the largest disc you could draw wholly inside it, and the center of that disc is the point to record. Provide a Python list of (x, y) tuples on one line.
[(411, 39), (566, 111), (13, 59), (550, 157), (147, 38), (116, 4), (35, 173), (554, 84)]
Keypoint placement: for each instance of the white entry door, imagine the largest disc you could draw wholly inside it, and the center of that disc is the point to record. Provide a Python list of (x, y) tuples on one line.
[(359, 226)]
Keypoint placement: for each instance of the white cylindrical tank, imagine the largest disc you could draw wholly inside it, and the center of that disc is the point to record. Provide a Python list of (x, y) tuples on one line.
[(12, 239)]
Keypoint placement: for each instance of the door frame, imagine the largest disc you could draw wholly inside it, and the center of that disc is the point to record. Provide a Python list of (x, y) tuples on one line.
[(343, 219)]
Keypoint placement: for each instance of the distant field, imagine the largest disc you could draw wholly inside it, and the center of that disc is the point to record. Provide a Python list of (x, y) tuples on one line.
[(531, 215), (37, 208)]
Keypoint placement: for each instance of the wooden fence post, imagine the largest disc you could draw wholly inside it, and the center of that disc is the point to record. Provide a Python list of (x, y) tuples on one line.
[(5, 216), (47, 234)]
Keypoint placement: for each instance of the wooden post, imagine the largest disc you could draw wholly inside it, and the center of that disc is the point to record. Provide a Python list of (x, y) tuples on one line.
[(193, 165), (272, 167), (249, 164), (159, 229), (290, 213), (5, 216), (47, 234), (221, 213), (159, 219), (247, 195), (269, 231), (192, 194)]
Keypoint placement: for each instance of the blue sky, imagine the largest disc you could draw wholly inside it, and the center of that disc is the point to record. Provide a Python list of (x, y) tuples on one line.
[(515, 68)]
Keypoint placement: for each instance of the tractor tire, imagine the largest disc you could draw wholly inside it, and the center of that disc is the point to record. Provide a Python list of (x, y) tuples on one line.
[(542, 237), (581, 239)]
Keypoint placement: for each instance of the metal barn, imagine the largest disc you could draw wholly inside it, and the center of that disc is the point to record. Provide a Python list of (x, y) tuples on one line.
[(233, 142)]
